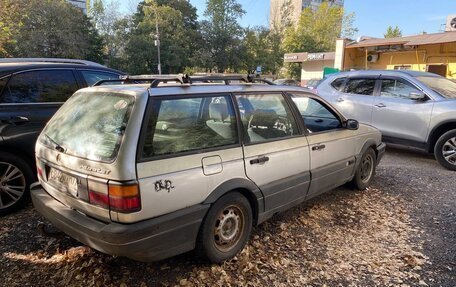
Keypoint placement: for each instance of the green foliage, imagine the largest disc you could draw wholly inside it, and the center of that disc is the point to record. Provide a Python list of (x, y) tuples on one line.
[(113, 28), (179, 37), (262, 48), (54, 29), (10, 21), (317, 32), (393, 32), (222, 34)]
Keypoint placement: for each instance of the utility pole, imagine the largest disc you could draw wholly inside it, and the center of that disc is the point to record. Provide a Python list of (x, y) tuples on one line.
[(157, 41)]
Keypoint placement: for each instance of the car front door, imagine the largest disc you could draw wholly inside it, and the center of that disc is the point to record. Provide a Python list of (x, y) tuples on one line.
[(276, 154), (400, 118), (332, 151), (356, 99)]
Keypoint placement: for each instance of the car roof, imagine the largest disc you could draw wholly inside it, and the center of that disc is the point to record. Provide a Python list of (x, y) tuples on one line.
[(385, 72), (11, 67), (187, 89)]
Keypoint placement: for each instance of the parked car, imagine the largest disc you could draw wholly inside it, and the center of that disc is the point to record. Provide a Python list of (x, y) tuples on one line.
[(411, 108), (287, 82), (312, 84), (31, 91), (151, 171)]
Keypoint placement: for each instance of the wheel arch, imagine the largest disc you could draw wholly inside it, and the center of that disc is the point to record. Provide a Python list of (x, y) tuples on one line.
[(437, 132), (370, 143), (246, 188), (21, 154)]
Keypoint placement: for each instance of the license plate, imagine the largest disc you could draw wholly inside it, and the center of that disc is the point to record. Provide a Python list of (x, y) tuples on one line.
[(63, 181)]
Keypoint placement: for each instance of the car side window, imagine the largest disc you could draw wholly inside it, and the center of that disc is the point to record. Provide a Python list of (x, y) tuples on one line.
[(316, 116), (189, 124), (395, 88), (266, 117), (40, 86), (360, 86), (337, 83), (91, 77)]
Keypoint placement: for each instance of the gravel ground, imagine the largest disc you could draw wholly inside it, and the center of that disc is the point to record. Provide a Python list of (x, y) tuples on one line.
[(399, 232)]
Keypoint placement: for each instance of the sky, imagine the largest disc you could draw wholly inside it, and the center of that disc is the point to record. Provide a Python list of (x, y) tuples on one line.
[(372, 17)]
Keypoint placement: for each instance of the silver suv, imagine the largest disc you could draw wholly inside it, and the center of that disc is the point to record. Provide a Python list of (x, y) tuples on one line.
[(411, 108), (151, 171)]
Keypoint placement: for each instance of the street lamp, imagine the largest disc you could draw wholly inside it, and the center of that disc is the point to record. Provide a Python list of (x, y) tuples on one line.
[(157, 41)]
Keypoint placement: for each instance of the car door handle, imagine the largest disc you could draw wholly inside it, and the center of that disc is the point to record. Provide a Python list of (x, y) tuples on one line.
[(259, 160), (16, 120), (340, 100), (319, 147), (380, 105)]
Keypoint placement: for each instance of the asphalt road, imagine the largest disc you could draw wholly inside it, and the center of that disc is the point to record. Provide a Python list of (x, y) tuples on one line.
[(399, 232)]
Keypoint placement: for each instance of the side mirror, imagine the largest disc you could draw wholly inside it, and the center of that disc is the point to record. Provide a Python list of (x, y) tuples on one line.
[(352, 124), (417, 96)]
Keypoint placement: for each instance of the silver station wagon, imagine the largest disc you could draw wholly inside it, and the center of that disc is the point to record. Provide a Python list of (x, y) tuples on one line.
[(149, 171)]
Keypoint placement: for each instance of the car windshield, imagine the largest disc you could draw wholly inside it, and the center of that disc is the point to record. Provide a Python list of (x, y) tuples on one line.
[(442, 86), (89, 126)]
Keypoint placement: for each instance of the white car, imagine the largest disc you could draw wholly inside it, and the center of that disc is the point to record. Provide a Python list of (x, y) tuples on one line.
[(151, 171)]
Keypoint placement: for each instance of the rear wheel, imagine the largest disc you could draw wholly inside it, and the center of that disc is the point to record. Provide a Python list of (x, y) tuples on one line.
[(226, 228), (365, 171), (445, 150), (15, 179)]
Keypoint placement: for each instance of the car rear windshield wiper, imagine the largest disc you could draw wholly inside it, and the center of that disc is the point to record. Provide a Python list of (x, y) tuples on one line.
[(57, 146)]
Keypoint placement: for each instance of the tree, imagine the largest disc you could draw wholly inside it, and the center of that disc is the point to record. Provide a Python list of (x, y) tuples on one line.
[(222, 33), (179, 36), (317, 31), (10, 21), (284, 18), (393, 32), (55, 29), (262, 47), (112, 27)]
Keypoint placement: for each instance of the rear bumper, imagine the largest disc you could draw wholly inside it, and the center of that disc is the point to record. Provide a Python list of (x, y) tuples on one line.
[(381, 148), (148, 240)]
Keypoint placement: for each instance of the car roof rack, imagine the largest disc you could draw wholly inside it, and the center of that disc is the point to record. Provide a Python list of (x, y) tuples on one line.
[(156, 80), (50, 60), (137, 79), (226, 79)]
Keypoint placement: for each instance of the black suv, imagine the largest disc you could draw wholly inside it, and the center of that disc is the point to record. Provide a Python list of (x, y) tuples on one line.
[(31, 91)]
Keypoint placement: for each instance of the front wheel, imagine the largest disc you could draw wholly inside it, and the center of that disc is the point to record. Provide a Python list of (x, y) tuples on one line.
[(226, 228), (365, 171), (445, 150), (15, 179)]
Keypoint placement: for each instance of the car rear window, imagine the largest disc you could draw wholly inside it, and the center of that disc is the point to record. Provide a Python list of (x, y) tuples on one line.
[(89, 126)]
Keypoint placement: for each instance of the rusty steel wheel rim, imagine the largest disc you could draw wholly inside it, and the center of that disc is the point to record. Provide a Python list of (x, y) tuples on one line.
[(228, 228), (367, 168)]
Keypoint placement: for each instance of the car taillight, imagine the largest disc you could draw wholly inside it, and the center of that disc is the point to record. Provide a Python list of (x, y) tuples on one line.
[(98, 193), (124, 198)]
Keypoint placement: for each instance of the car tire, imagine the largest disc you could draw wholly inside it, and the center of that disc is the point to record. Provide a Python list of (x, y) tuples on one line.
[(445, 150), (15, 179), (226, 228), (365, 171)]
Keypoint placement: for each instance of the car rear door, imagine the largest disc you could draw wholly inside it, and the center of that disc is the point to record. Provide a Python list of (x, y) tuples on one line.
[(400, 118), (356, 98), (28, 100), (189, 146), (276, 154), (332, 150)]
